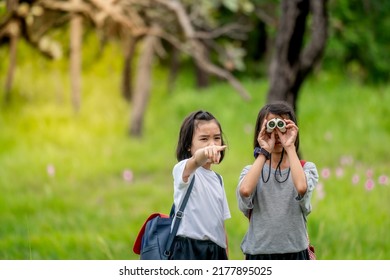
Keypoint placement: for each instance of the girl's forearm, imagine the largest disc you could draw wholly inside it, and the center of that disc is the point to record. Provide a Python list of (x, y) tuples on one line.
[(249, 182)]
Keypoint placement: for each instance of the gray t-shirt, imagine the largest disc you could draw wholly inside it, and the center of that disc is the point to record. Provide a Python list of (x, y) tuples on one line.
[(278, 217), (207, 207)]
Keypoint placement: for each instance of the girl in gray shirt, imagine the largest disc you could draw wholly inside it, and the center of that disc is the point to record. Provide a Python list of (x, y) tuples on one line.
[(275, 191)]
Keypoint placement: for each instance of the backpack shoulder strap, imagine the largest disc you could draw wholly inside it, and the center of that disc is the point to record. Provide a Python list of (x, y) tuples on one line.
[(179, 215), (219, 177)]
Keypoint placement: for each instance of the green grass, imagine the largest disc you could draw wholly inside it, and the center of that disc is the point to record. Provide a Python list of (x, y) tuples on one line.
[(88, 211)]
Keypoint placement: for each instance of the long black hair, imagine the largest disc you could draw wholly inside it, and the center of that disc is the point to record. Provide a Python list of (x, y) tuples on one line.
[(187, 130)]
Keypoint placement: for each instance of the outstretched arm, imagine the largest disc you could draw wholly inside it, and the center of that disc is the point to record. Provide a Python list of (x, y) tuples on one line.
[(209, 154)]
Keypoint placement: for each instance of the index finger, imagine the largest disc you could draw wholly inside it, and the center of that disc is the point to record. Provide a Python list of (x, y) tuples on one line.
[(221, 148), (264, 124)]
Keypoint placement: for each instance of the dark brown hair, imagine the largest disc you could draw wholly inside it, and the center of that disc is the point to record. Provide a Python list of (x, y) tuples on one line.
[(187, 132), (278, 108)]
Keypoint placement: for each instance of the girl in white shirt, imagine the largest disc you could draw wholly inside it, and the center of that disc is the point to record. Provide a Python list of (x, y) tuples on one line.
[(201, 235)]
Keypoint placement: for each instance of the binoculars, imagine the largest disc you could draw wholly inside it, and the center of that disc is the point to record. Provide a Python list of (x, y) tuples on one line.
[(273, 123)]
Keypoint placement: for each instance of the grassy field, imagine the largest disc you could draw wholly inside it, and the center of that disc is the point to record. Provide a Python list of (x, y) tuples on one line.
[(76, 186)]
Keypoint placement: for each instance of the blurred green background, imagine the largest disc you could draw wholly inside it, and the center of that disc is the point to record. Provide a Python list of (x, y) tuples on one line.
[(76, 186)]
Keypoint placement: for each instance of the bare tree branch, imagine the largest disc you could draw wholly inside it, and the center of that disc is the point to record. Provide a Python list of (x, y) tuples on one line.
[(314, 50), (134, 23), (66, 6), (234, 31), (197, 50), (134, 18)]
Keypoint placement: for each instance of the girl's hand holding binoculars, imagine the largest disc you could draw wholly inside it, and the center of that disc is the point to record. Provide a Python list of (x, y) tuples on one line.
[(288, 138), (266, 140)]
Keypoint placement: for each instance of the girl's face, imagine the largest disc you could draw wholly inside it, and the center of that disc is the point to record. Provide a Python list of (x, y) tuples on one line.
[(206, 133)]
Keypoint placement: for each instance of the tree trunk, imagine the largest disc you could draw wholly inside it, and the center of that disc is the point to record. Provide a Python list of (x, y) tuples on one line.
[(12, 64), (291, 63), (127, 74), (14, 31), (202, 77), (11, 4), (174, 66), (76, 25), (142, 86)]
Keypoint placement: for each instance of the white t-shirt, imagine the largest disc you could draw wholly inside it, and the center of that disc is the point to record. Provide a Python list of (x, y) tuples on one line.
[(207, 207)]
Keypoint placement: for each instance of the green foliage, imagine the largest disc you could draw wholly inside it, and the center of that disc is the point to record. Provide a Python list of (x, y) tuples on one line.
[(75, 186), (236, 5), (359, 39), (3, 10)]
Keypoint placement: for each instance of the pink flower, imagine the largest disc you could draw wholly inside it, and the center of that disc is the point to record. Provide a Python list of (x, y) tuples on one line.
[(325, 173), (320, 191), (346, 160), (127, 175), (339, 172), (355, 179), (369, 184), (328, 136), (383, 180), (248, 129), (369, 173), (50, 169), (321, 195)]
